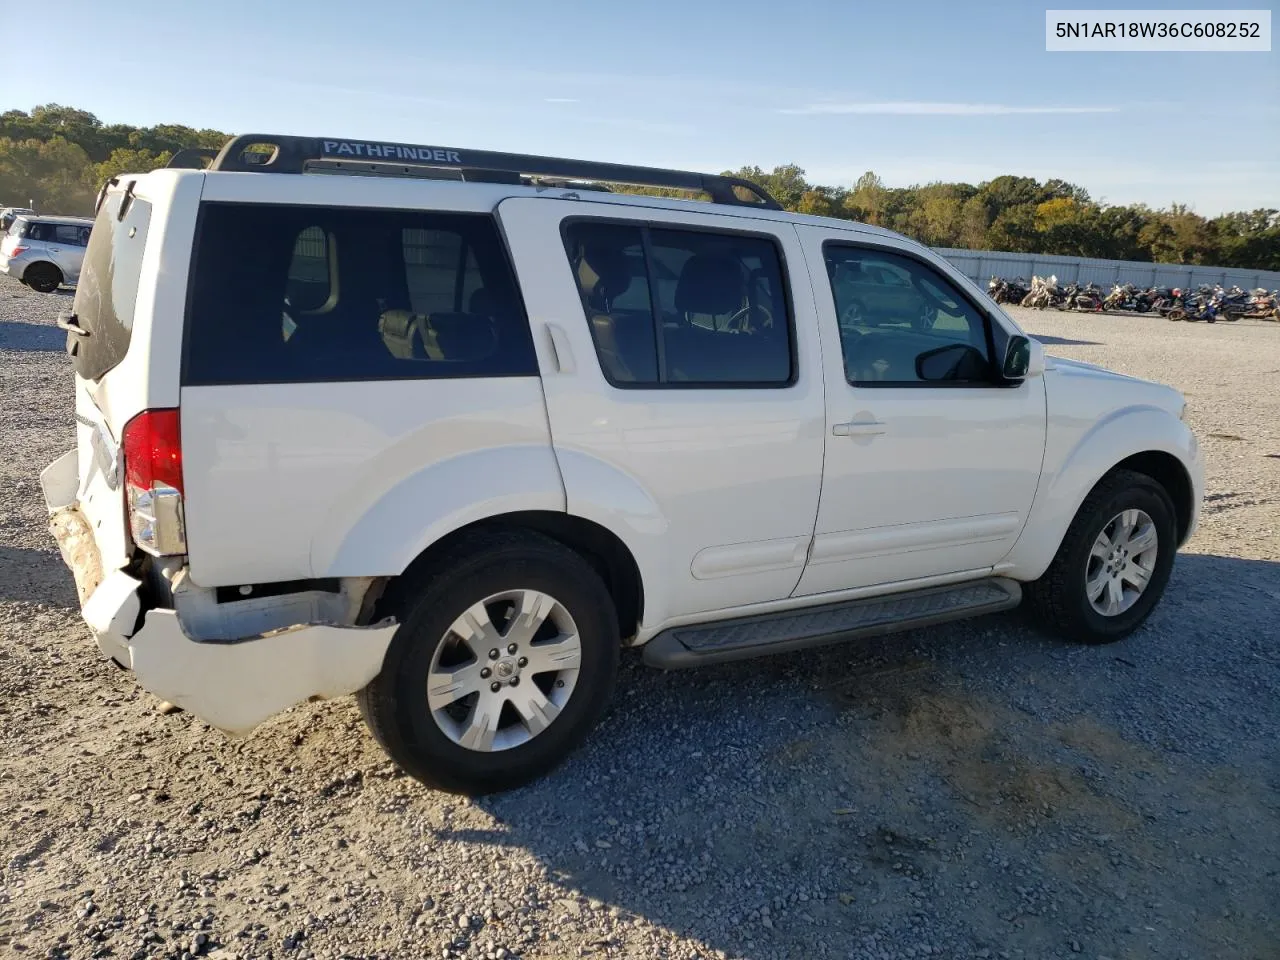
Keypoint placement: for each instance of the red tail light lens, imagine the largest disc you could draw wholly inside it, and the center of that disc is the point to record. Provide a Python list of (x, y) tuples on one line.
[(152, 449), (17, 250)]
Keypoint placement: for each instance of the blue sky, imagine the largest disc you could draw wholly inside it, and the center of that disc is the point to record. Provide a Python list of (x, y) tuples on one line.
[(916, 91)]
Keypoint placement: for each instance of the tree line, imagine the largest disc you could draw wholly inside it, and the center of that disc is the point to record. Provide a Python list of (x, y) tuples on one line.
[(59, 156), (1023, 215)]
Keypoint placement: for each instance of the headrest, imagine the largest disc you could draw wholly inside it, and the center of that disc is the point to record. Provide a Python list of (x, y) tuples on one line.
[(603, 272), (463, 336), (481, 302), (711, 284)]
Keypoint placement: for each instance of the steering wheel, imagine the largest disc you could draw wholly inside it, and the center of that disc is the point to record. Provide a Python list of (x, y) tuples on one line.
[(741, 321), (927, 316), (851, 314)]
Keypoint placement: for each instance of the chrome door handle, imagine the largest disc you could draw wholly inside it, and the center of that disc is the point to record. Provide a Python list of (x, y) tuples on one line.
[(859, 428)]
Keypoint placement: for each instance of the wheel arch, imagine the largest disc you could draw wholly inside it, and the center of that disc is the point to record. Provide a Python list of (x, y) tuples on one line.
[(1170, 472), (1167, 452), (598, 545)]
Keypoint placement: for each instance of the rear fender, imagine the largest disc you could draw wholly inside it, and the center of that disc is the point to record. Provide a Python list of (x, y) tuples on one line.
[(599, 491), (382, 537)]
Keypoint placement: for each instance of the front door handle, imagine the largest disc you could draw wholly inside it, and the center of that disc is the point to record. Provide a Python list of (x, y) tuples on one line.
[(858, 428)]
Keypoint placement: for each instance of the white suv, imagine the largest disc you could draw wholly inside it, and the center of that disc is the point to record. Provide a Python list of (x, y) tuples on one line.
[(451, 434)]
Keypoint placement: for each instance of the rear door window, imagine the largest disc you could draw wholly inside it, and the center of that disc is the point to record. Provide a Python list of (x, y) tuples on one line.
[(71, 234), (333, 294), (108, 287), (678, 308)]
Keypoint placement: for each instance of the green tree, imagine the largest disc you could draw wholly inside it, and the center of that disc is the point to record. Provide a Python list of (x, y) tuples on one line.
[(786, 183), (868, 201), (1014, 228), (975, 220), (128, 160), (54, 173)]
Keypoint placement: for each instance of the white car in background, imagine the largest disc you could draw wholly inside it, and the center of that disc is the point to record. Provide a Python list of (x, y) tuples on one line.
[(45, 252), (9, 214)]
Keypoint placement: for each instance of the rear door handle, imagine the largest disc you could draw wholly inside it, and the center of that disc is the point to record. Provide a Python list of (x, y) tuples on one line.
[(560, 346), (858, 428)]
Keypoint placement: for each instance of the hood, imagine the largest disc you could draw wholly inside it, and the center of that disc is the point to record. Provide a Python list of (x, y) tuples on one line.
[(1078, 368), (1123, 388)]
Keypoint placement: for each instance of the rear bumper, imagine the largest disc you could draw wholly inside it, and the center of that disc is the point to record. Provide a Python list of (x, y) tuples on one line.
[(232, 685), (13, 267)]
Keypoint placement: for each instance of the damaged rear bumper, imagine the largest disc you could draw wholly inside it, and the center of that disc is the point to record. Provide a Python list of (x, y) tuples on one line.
[(233, 685)]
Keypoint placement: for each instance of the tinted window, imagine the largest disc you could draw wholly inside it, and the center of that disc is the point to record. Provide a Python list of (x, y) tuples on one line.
[(682, 307), (351, 294), (38, 231), (108, 286), (309, 283), (71, 234), (901, 321)]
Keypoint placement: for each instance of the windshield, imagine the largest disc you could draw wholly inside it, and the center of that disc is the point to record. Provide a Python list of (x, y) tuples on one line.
[(108, 287)]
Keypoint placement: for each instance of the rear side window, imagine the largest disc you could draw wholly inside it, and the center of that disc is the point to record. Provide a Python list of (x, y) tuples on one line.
[(71, 234), (683, 308), (108, 287), (294, 294)]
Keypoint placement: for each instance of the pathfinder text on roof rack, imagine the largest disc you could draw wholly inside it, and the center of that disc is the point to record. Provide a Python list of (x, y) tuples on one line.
[(387, 151)]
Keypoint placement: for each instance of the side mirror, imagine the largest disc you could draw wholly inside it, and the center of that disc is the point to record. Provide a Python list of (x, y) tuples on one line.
[(1023, 358), (954, 361)]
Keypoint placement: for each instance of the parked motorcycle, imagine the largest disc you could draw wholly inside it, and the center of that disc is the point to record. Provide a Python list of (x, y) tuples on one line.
[(1007, 291), (1164, 299), (1044, 292), (1129, 298), (1204, 304), (1262, 305), (1076, 297)]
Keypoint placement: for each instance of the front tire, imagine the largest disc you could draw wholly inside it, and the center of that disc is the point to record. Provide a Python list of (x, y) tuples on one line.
[(1113, 564), (505, 659)]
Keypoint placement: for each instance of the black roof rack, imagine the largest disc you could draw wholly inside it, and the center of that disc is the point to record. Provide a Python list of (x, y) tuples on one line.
[(264, 153), (193, 158)]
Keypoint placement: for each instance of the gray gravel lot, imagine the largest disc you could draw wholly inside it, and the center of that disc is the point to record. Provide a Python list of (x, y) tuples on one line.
[(975, 790)]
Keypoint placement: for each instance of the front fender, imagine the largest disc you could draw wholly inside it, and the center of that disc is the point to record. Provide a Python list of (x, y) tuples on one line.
[(1080, 453), (383, 538)]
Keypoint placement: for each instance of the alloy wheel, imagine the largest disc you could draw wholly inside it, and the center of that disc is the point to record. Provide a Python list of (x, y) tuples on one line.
[(504, 670), (1121, 562)]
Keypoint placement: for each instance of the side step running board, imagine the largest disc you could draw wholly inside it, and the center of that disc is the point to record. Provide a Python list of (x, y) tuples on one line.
[(758, 636)]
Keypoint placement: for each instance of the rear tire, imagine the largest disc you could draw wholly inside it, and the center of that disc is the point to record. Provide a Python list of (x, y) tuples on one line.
[(1061, 596), (42, 277), (509, 738)]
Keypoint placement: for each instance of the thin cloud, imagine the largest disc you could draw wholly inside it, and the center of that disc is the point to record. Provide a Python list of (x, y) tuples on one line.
[(920, 108), (561, 100)]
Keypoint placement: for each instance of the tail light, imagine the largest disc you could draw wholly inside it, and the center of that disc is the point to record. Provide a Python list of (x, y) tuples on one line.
[(15, 250), (152, 448)]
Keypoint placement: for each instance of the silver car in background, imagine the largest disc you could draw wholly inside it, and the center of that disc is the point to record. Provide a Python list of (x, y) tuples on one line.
[(45, 252)]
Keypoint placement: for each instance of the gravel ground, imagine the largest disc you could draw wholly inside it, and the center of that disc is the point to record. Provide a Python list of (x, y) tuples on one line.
[(975, 790)]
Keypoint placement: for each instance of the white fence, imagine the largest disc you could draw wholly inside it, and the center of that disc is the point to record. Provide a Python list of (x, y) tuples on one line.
[(980, 265)]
